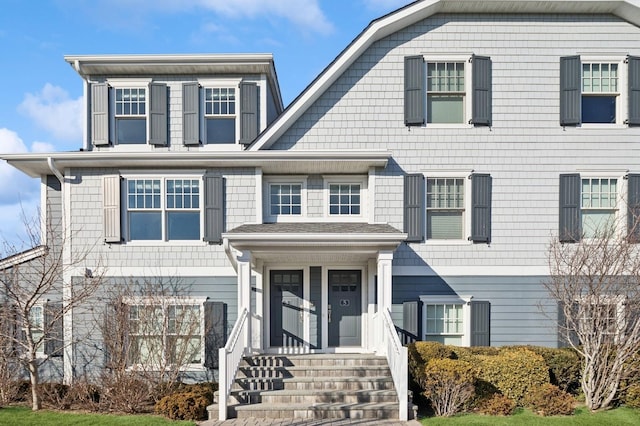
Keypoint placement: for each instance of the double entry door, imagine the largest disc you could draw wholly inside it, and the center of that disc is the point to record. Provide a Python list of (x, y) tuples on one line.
[(344, 308)]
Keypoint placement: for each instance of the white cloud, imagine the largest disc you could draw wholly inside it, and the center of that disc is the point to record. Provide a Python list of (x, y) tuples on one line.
[(54, 111), (15, 184), (305, 14), (42, 147)]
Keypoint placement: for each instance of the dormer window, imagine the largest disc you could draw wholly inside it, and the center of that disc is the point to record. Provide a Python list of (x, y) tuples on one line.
[(220, 115), (131, 115)]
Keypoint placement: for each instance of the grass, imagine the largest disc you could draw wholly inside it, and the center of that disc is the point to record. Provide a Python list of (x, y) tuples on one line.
[(23, 416), (619, 417)]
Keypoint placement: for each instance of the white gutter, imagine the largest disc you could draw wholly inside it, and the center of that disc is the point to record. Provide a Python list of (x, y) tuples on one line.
[(228, 252)]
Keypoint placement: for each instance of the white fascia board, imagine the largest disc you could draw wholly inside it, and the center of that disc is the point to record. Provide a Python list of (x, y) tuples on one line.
[(22, 257), (628, 10), (35, 165)]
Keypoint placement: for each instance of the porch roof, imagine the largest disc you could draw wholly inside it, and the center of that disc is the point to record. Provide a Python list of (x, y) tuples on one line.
[(314, 241)]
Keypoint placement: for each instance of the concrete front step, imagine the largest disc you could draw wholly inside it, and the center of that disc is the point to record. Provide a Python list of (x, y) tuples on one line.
[(316, 411), (314, 383), (279, 397), (311, 371), (314, 360)]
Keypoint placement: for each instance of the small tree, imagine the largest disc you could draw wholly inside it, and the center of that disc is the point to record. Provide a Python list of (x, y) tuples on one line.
[(151, 332), (596, 282), (36, 293)]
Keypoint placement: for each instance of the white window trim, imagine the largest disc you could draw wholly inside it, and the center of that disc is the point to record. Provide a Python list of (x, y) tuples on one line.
[(124, 203), (622, 101), (619, 302), (209, 83), (620, 215), (463, 300), (466, 232), (283, 180), (468, 101), (40, 349), (169, 301), (127, 83), (347, 180)]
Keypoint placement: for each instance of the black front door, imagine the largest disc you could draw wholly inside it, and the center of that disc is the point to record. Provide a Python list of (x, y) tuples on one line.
[(286, 308), (345, 311)]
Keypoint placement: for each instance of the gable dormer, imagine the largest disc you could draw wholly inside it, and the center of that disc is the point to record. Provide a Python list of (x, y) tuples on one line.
[(177, 102)]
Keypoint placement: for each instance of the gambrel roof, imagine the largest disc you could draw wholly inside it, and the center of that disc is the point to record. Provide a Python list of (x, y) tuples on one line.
[(628, 10)]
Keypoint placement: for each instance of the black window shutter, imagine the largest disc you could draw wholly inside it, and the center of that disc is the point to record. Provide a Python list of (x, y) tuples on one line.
[(633, 207), (566, 335), (100, 114), (215, 332), (414, 91), (480, 208), (158, 114), (634, 90), (213, 208), (569, 230), (414, 212), (570, 91), (481, 102), (480, 323), (53, 322), (191, 113), (248, 112)]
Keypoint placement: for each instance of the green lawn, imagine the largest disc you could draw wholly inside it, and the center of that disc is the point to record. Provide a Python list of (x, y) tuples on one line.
[(618, 417), (23, 416)]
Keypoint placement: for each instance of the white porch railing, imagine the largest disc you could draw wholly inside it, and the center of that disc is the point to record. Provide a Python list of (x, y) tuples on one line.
[(398, 361), (230, 357)]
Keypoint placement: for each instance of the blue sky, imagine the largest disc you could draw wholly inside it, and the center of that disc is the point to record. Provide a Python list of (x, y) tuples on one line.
[(41, 96)]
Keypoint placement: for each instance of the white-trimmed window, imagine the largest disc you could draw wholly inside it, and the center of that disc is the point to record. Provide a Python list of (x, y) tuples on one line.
[(598, 205), (36, 322), (445, 208), (131, 115), (345, 198), (220, 115), (163, 209), (605, 313), (600, 92), (166, 332), (446, 319), (446, 92), (284, 198)]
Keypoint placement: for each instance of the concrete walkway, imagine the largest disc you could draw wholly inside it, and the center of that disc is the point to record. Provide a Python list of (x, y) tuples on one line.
[(304, 422)]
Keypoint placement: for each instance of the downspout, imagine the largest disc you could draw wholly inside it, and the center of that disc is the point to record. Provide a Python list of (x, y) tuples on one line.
[(227, 250), (66, 289)]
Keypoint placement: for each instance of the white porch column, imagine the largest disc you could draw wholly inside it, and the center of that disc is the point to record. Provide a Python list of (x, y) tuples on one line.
[(385, 260), (244, 291)]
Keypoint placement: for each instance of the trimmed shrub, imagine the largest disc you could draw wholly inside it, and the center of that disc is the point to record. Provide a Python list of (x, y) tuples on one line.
[(448, 384), (496, 405), (188, 405), (564, 364), (513, 372), (631, 396), (126, 392), (550, 400), (421, 352), (85, 395)]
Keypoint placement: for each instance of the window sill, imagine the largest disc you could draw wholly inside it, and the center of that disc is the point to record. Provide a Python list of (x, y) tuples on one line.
[(601, 126), (448, 126), (154, 243), (189, 367), (448, 242)]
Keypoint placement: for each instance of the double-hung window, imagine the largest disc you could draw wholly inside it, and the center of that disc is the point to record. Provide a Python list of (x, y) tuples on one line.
[(129, 112), (36, 323), (589, 206), (220, 114), (445, 208), (456, 320), (131, 115), (598, 208), (344, 199), (165, 332), (599, 90), (163, 208), (447, 90)]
